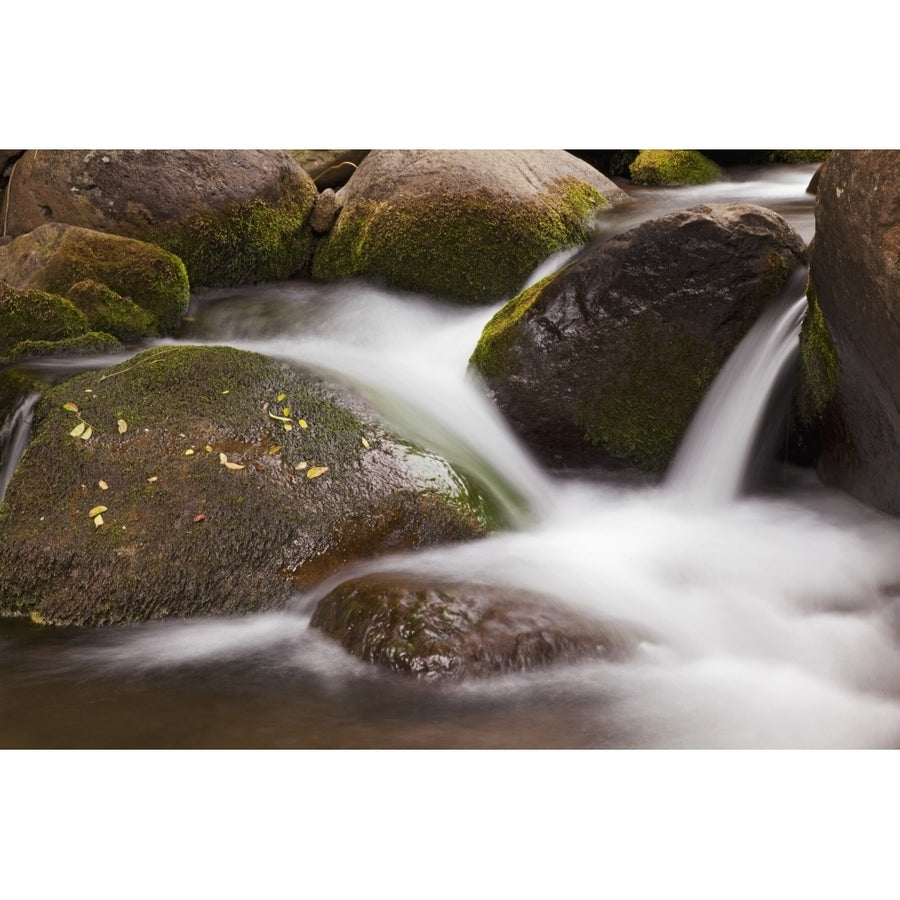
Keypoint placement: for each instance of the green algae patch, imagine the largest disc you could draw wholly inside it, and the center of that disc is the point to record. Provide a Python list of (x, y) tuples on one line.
[(820, 364), (471, 248), (180, 482), (673, 167), (799, 157), (88, 344), (109, 312), (36, 315), (244, 243)]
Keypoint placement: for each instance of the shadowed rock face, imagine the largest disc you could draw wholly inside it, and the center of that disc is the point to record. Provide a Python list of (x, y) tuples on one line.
[(459, 630), (232, 216), (608, 359), (464, 224), (207, 502), (855, 270)]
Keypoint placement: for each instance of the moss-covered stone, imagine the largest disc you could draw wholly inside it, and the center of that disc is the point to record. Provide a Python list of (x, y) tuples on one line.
[(799, 157), (61, 258), (673, 167), (209, 505), (819, 363), (36, 315)]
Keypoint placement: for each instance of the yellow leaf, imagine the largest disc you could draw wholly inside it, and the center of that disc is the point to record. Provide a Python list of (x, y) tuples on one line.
[(98, 520), (277, 418), (223, 459), (301, 465), (71, 407), (231, 465), (316, 471), (123, 426), (274, 450), (365, 443), (225, 392), (189, 452), (288, 426), (153, 478), (88, 390), (281, 397), (302, 423), (86, 434), (102, 485), (96, 511), (78, 430), (286, 411), (208, 448)]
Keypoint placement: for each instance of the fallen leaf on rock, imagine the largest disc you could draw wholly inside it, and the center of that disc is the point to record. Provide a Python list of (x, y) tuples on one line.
[(98, 520), (71, 407), (288, 426), (302, 423), (199, 518), (281, 397), (301, 465), (86, 434), (78, 430), (102, 485), (365, 443), (231, 465), (123, 426), (96, 511), (189, 452), (274, 450), (153, 478), (316, 471)]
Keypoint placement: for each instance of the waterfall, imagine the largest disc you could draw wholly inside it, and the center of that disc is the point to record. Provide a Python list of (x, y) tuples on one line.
[(14, 434), (711, 463)]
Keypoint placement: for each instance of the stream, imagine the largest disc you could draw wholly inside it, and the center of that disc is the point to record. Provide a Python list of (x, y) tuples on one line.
[(770, 618)]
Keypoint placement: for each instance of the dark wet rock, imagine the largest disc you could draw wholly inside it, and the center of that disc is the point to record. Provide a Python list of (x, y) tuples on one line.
[(459, 630), (329, 168), (125, 287), (470, 225), (855, 273), (608, 358), (233, 216), (186, 531)]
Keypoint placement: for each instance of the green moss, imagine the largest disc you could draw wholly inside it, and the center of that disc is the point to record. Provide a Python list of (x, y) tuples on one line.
[(493, 355), (87, 344), (643, 415), (673, 167), (36, 315), (245, 242), (149, 276), (799, 157), (109, 312), (819, 363), (472, 248)]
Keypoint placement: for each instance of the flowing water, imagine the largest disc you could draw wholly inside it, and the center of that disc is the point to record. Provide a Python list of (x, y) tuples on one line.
[(767, 620)]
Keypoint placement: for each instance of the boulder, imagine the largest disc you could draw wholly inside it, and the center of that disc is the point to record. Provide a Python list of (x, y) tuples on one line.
[(233, 216), (36, 315), (126, 287), (855, 274), (459, 630), (607, 359), (205, 481), (469, 225), (673, 167), (329, 168)]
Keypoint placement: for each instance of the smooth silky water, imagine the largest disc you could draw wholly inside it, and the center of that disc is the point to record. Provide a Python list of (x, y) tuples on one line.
[(766, 619)]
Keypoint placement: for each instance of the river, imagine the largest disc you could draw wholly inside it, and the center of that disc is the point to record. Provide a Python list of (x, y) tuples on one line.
[(770, 616)]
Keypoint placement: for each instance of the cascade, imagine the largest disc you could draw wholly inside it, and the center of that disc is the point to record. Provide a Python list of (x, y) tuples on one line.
[(14, 434), (712, 460)]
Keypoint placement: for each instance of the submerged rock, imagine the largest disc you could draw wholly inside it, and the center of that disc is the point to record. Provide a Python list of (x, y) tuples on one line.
[(855, 273), (470, 225), (169, 485), (459, 630), (125, 287), (608, 359), (233, 216)]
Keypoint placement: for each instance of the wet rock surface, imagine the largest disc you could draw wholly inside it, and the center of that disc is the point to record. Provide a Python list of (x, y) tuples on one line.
[(459, 630), (608, 359), (855, 272), (169, 485)]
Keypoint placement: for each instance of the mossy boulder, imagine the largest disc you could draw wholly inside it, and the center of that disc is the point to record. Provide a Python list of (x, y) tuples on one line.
[(855, 274), (607, 360), (36, 315), (209, 504), (457, 630), (673, 167), (469, 225), (125, 287), (233, 216)]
